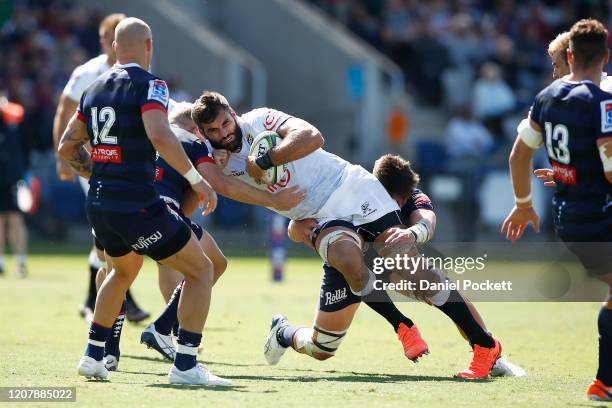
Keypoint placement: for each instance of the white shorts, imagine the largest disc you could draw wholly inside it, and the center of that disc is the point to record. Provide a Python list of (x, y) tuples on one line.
[(84, 185), (359, 199)]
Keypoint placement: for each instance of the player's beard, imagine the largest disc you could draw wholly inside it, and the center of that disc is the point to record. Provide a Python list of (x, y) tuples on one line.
[(233, 146)]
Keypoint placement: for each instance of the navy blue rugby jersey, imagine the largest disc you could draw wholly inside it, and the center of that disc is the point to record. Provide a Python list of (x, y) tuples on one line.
[(573, 115), (168, 181), (417, 201), (123, 157)]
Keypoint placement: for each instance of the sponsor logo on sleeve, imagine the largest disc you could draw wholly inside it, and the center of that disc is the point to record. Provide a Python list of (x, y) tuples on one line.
[(106, 154), (158, 91), (606, 115)]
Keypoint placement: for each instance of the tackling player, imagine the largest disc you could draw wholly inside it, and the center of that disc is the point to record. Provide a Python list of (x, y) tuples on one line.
[(123, 115), (400, 181), (575, 116), (83, 76), (350, 204), (176, 192)]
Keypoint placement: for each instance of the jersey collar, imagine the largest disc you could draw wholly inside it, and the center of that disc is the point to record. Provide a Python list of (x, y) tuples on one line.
[(128, 65)]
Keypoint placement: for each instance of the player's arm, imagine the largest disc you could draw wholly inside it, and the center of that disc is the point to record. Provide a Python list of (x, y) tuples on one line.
[(302, 230), (422, 228), (300, 138), (72, 146), (604, 145), (170, 149), (520, 162), (237, 190), (65, 110)]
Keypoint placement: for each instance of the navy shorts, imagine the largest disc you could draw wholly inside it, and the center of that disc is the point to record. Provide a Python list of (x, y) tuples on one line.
[(8, 198), (156, 231), (588, 236), (335, 291), (197, 230)]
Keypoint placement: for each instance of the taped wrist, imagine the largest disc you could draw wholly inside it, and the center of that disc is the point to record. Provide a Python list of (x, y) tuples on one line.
[(421, 232), (264, 162)]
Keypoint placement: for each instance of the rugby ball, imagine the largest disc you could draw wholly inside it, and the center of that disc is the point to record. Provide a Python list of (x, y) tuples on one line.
[(261, 144)]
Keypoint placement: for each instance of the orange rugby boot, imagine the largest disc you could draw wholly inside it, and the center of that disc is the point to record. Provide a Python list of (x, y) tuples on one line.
[(482, 362), (598, 391), (413, 343)]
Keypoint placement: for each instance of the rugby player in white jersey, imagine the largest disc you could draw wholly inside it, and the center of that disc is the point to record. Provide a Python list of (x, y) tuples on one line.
[(351, 206), (83, 76)]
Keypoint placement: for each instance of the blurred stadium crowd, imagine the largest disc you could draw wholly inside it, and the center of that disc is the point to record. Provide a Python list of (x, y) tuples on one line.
[(479, 62)]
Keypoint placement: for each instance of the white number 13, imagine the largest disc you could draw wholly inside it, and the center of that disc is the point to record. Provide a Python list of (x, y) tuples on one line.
[(557, 139), (107, 116)]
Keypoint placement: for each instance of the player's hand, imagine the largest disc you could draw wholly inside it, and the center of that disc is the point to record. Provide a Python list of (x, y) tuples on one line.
[(64, 171), (288, 198), (302, 231), (514, 225), (401, 241), (547, 176), (221, 157), (206, 196), (253, 170)]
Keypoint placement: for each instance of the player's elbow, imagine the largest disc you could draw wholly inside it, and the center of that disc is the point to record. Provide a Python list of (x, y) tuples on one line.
[(317, 138), (65, 150), (609, 176)]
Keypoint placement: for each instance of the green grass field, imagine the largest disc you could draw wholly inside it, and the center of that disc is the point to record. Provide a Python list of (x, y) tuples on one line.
[(43, 338)]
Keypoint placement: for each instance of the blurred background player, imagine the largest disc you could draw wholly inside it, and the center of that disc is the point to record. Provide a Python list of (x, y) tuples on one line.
[(83, 76), (574, 114), (13, 165)]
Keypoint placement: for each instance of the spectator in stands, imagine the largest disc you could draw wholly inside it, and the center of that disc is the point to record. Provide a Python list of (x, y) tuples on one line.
[(492, 99)]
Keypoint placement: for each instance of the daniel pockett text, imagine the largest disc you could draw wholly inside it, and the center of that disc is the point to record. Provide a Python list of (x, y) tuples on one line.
[(459, 265)]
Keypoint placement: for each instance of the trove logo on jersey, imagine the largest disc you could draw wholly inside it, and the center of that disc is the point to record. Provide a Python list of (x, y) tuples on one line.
[(144, 243), (606, 115), (106, 154), (565, 174)]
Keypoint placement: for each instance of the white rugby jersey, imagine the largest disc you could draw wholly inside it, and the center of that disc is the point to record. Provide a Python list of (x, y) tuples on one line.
[(318, 174), (606, 82), (84, 75)]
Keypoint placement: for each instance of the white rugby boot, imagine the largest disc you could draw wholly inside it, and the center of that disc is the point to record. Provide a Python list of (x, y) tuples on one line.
[(504, 368), (91, 368), (198, 375), (159, 342), (111, 362), (273, 350)]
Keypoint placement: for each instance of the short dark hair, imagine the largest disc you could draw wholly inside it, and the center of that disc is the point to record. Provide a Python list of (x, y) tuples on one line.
[(206, 108), (588, 42), (396, 175)]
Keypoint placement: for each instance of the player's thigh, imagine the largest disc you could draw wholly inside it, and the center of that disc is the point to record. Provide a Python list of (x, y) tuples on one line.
[(191, 261)]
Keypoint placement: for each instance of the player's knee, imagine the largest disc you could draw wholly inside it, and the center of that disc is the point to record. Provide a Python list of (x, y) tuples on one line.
[(203, 273), (220, 265), (322, 356)]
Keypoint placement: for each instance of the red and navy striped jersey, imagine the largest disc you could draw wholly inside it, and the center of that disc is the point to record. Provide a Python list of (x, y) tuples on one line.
[(168, 181), (123, 157), (417, 201), (573, 115)]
